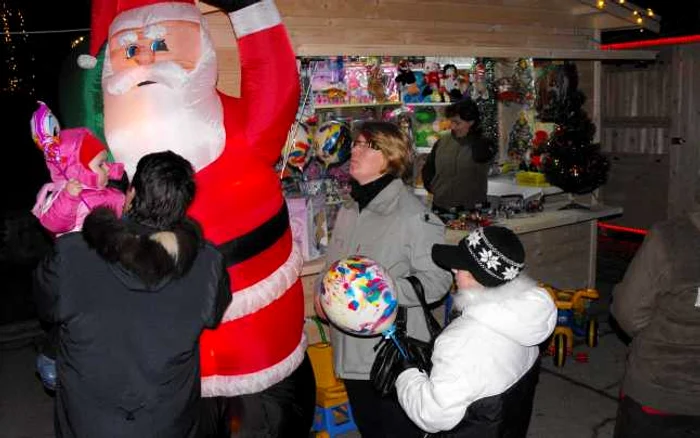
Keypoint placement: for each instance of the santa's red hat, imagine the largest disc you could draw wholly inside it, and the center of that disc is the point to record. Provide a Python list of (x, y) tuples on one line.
[(109, 16)]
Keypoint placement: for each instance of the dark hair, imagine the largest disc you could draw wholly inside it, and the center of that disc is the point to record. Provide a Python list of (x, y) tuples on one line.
[(466, 109), (163, 190), (447, 67)]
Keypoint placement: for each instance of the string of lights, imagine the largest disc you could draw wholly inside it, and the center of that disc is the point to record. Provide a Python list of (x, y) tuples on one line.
[(39, 32), (638, 15), (16, 79)]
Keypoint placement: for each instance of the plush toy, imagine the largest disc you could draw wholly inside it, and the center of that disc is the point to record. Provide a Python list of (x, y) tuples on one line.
[(479, 88), (452, 82), (433, 79), (375, 82), (410, 92)]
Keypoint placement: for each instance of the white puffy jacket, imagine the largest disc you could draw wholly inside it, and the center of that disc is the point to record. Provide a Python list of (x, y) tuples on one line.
[(480, 354)]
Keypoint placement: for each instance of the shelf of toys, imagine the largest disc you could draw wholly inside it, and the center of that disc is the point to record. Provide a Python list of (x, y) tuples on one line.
[(339, 93)]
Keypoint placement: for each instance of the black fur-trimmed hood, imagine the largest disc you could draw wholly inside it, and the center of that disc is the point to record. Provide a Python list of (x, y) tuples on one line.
[(143, 258)]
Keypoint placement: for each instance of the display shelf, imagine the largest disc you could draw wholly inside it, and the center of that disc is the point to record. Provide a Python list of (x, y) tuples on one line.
[(355, 105), (331, 106), (427, 103)]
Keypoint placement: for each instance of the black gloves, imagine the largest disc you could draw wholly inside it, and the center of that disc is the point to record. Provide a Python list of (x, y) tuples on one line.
[(230, 5), (405, 364)]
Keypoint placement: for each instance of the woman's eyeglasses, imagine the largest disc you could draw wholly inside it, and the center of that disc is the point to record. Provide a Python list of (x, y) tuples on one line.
[(363, 144)]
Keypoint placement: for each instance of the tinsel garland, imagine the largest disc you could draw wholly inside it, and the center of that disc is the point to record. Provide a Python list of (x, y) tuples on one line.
[(488, 107)]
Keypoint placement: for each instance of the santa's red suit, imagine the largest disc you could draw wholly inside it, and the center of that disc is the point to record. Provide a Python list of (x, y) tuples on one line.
[(240, 206), (239, 201)]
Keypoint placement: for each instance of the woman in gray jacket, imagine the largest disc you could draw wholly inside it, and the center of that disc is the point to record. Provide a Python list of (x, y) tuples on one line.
[(387, 223)]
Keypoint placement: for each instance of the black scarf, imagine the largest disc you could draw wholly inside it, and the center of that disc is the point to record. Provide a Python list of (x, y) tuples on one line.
[(363, 194)]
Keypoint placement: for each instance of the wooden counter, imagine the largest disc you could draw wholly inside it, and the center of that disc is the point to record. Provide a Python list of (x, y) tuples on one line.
[(560, 245)]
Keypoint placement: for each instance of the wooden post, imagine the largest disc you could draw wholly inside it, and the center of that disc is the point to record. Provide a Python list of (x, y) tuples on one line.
[(597, 121), (684, 149)]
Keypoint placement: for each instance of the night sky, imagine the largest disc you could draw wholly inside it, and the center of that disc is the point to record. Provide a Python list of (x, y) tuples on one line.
[(51, 49), (677, 18)]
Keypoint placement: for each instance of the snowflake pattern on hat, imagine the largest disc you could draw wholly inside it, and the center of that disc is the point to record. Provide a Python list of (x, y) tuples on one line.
[(490, 259)]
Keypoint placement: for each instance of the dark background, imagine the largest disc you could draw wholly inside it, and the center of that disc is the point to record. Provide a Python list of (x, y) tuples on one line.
[(678, 18), (38, 58)]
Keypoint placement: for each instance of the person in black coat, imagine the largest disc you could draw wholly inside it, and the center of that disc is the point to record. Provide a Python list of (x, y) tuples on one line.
[(131, 297)]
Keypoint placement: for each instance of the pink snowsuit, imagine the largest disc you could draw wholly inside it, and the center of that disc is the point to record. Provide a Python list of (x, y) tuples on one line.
[(57, 210)]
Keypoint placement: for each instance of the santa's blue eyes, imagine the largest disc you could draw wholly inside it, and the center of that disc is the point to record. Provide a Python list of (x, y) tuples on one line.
[(159, 46), (156, 46), (131, 51)]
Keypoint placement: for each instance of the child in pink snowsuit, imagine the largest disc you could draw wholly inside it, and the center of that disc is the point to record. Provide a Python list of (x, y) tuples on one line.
[(79, 174), (76, 160)]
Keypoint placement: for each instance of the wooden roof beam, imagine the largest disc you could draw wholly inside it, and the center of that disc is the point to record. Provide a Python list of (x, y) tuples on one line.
[(615, 16)]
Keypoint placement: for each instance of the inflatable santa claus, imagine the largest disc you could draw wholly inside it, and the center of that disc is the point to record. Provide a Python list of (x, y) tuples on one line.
[(159, 89)]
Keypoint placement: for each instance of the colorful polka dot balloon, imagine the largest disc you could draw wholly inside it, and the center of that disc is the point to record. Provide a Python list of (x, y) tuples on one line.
[(332, 143), (358, 296)]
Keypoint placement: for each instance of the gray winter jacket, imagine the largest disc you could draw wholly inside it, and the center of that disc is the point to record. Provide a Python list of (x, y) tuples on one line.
[(658, 304), (396, 230)]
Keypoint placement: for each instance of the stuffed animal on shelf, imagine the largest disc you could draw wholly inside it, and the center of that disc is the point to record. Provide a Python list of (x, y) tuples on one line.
[(479, 88), (410, 92), (432, 77), (375, 82), (452, 82)]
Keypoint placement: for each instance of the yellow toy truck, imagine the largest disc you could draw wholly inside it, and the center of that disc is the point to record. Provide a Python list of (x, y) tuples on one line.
[(573, 320)]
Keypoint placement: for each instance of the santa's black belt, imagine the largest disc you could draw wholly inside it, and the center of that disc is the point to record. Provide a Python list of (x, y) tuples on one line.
[(258, 240)]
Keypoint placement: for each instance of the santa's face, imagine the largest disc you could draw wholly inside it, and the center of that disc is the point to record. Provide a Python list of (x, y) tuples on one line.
[(159, 83), (135, 52)]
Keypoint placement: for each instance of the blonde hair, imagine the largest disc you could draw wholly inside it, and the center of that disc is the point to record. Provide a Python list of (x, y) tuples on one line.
[(393, 144)]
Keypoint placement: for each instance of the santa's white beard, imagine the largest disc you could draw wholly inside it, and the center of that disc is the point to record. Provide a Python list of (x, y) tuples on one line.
[(154, 118), (181, 112)]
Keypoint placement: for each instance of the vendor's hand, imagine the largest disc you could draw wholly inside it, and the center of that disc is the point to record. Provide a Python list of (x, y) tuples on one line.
[(230, 5), (73, 187)]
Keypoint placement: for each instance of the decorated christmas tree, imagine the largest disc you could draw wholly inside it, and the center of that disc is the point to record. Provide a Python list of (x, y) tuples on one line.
[(574, 163), (519, 139)]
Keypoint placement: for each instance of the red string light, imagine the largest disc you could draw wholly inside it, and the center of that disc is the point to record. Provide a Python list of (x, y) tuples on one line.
[(613, 227), (668, 41)]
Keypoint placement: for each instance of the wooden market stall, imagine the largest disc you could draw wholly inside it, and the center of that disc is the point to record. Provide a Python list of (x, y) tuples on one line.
[(561, 245), (651, 131)]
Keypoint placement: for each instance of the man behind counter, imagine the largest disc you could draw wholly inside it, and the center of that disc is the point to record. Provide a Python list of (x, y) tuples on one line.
[(457, 168)]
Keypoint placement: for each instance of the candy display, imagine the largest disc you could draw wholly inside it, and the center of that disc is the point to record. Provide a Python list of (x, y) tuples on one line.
[(358, 296)]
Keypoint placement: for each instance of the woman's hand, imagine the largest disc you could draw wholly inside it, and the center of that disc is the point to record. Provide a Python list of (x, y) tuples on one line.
[(73, 187)]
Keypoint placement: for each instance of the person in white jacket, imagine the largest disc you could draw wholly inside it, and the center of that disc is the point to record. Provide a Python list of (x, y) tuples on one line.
[(485, 363)]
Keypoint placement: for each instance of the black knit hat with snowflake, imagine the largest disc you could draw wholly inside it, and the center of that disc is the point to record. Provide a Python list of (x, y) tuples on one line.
[(493, 255)]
